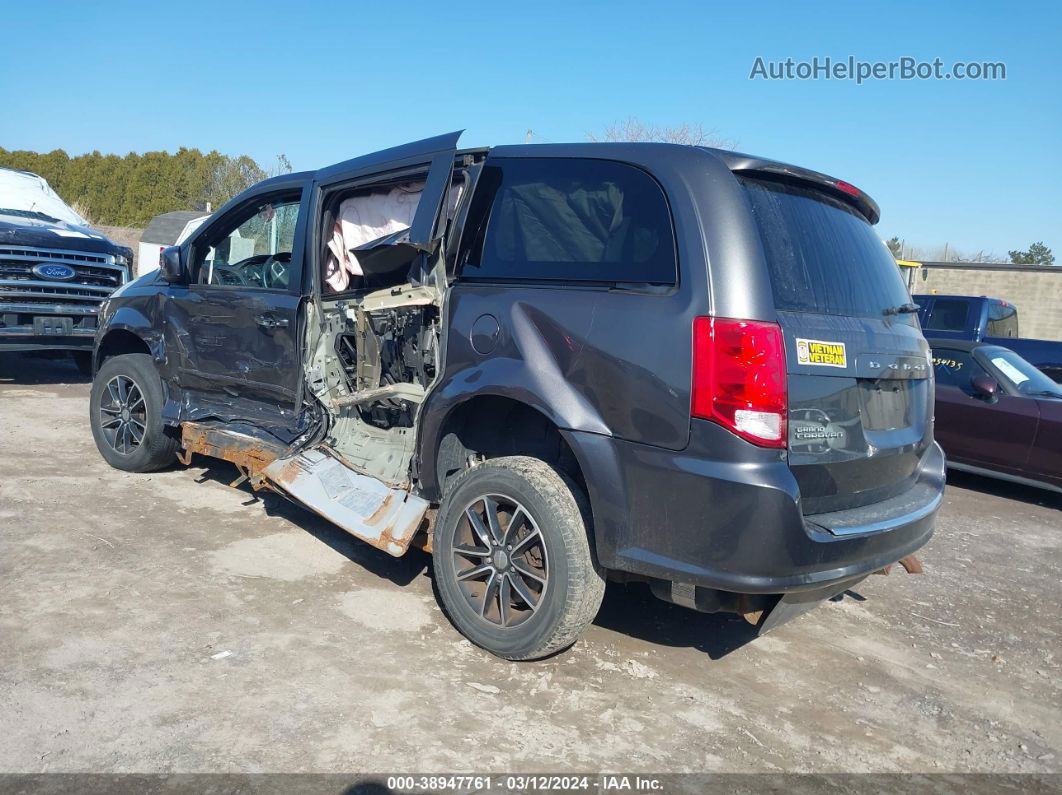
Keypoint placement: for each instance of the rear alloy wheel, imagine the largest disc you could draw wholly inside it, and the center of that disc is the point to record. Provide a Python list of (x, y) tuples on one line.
[(125, 412), (512, 558), (499, 560)]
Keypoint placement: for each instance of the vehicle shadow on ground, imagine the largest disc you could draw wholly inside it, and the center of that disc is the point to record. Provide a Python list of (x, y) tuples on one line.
[(15, 368), (1005, 489), (631, 609), (400, 571)]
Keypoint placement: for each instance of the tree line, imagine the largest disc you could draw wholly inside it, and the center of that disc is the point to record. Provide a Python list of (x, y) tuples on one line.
[(129, 190)]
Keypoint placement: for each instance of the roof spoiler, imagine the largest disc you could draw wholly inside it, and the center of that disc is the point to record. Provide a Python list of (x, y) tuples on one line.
[(835, 187)]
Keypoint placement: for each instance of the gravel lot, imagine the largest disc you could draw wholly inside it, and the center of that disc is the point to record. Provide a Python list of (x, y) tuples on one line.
[(169, 623)]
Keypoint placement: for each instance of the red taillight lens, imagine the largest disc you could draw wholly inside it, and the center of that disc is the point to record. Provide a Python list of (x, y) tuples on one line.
[(739, 378)]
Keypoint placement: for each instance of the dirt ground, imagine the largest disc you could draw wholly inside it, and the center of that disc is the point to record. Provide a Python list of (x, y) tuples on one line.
[(169, 623)]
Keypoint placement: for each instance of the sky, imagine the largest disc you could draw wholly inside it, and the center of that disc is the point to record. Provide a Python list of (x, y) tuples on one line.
[(973, 164)]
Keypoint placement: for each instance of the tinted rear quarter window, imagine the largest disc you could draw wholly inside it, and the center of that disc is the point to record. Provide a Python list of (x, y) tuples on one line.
[(1002, 320), (822, 255), (569, 220), (948, 314)]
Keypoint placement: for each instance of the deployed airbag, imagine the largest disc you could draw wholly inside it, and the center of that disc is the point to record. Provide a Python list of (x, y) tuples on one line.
[(363, 219)]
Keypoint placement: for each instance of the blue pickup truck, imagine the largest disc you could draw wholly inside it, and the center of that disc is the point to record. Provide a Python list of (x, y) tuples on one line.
[(989, 320)]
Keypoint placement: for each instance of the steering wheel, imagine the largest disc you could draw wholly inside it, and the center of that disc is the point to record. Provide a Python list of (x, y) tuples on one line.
[(250, 270), (275, 270)]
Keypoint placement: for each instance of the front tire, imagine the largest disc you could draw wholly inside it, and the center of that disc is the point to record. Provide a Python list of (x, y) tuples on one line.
[(512, 558), (125, 412)]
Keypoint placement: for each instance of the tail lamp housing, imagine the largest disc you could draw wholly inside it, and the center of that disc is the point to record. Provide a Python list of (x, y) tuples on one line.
[(739, 378)]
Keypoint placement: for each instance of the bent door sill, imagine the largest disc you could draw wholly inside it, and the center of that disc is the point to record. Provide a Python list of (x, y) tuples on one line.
[(363, 506)]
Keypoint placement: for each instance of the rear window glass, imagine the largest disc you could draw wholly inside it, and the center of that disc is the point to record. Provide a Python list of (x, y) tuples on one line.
[(571, 220), (823, 256), (948, 314), (1002, 320)]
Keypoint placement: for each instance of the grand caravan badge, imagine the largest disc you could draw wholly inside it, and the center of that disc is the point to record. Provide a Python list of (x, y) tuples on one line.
[(819, 352)]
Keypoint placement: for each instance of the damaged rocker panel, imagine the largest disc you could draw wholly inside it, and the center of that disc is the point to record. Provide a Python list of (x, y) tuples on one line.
[(386, 518)]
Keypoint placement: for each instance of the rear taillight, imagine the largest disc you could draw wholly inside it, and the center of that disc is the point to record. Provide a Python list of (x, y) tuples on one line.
[(739, 378)]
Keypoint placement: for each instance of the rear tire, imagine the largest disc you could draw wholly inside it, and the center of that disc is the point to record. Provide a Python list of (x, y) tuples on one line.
[(125, 412), (524, 585)]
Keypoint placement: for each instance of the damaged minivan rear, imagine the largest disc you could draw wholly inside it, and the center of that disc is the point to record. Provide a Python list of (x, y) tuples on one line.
[(549, 366)]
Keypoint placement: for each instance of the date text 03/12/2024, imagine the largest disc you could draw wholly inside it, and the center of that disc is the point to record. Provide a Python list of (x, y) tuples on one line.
[(525, 783)]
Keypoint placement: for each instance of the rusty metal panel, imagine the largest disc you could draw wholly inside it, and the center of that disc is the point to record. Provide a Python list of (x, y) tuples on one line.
[(363, 506), (247, 452)]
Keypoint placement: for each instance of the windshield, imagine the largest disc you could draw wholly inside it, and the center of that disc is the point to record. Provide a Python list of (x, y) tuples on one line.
[(1021, 375), (823, 256)]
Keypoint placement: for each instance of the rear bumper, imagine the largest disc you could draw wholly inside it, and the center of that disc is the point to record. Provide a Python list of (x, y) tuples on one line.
[(726, 515)]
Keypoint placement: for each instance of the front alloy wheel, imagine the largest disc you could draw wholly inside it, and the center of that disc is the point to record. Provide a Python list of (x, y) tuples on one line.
[(123, 415)]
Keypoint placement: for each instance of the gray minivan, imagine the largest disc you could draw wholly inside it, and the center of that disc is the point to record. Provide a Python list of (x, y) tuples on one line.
[(549, 365)]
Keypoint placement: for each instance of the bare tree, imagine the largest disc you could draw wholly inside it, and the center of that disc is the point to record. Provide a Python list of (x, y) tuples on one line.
[(634, 129), (283, 166), (948, 253), (980, 256)]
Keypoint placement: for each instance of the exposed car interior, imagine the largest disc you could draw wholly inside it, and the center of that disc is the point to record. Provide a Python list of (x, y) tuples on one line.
[(376, 349), (364, 220)]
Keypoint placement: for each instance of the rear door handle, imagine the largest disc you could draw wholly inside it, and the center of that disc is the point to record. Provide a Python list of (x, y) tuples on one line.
[(271, 321)]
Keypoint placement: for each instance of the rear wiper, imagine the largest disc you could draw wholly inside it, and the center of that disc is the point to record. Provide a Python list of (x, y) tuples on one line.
[(902, 309)]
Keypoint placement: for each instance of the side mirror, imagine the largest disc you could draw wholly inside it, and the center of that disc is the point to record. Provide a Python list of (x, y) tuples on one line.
[(985, 386), (171, 266)]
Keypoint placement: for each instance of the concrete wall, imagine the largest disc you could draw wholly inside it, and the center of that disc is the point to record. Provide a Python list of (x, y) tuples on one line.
[(1035, 290)]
